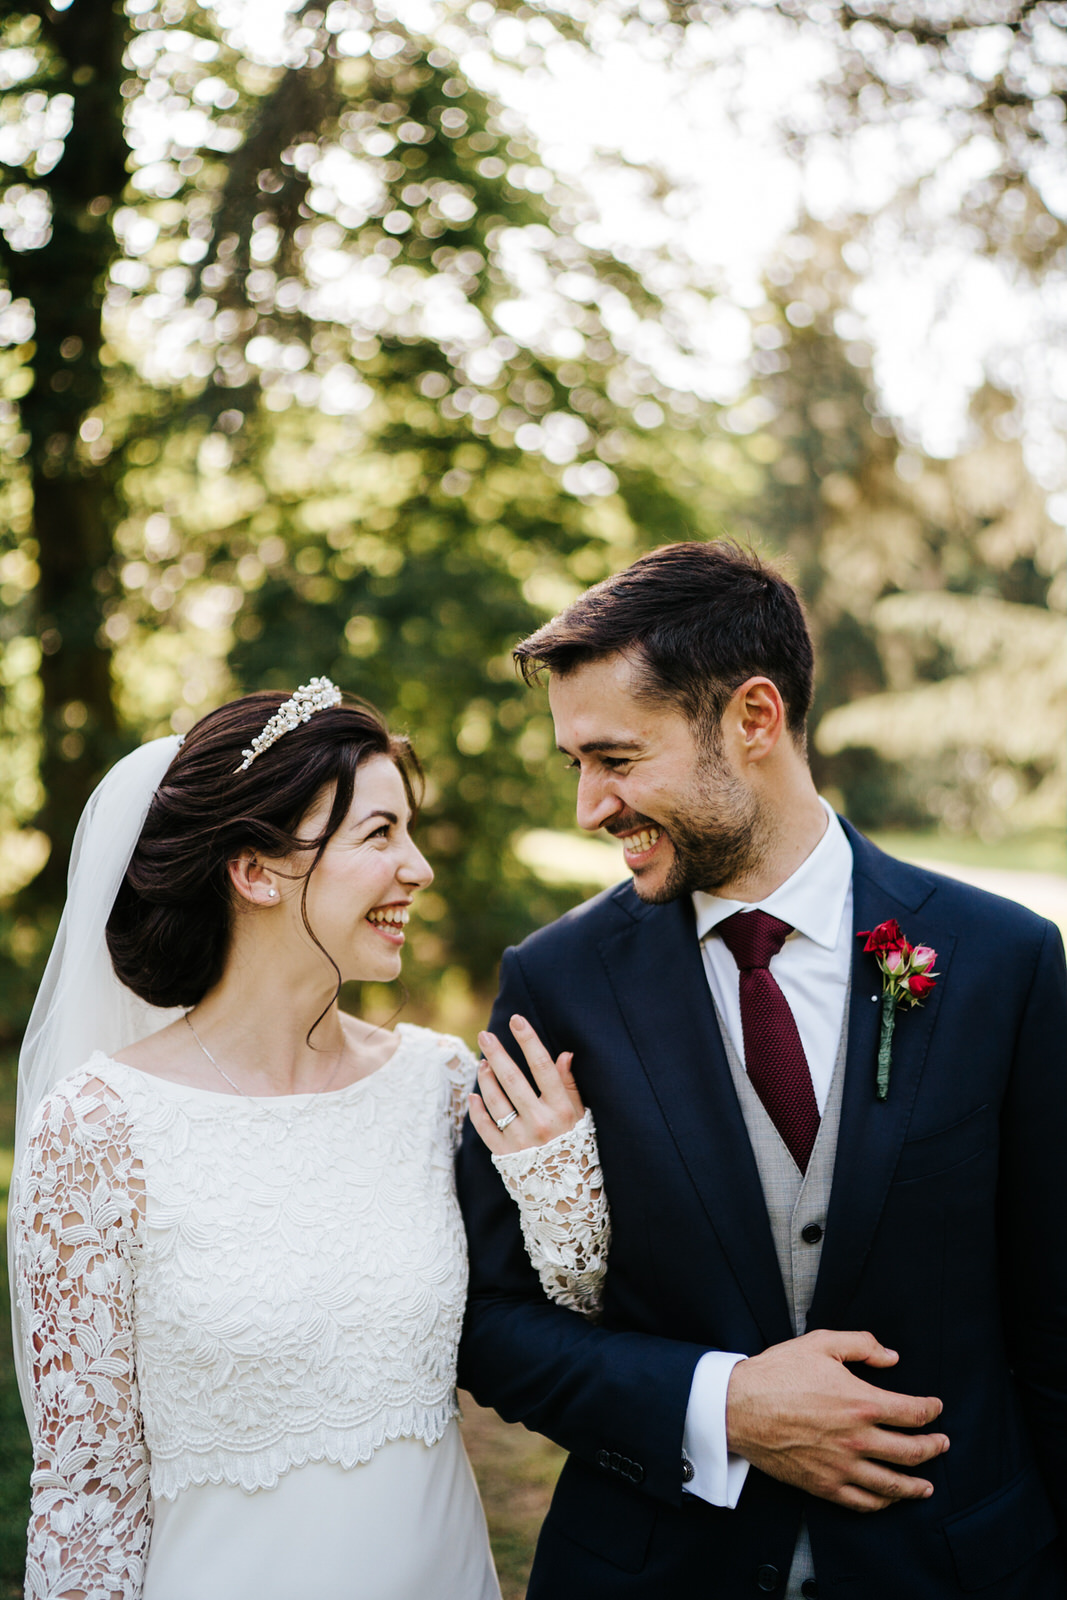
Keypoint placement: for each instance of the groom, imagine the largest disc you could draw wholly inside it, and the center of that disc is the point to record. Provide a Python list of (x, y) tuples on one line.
[(832, 1359)]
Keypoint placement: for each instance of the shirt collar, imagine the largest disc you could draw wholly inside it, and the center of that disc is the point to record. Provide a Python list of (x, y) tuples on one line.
[(811, 900)]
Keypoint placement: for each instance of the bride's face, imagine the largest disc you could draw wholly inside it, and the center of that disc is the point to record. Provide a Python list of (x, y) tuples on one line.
[(370, 871)]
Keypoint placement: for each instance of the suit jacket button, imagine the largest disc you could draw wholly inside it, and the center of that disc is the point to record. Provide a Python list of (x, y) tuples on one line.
[(811, 1233), (637, 1472), (767, 1578), (810, 1589), (603, 1459)]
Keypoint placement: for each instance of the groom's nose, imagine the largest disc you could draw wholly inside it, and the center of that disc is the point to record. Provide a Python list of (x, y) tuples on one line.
[(597, 803)]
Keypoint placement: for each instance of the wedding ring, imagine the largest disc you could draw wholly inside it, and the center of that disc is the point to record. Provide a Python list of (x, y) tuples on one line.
[(505, 1122)]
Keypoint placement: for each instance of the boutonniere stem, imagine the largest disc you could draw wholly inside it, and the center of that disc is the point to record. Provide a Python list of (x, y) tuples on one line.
[(907, 978), (885, 1043)]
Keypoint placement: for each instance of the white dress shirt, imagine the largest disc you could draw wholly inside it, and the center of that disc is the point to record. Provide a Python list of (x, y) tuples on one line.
[(812, 970)]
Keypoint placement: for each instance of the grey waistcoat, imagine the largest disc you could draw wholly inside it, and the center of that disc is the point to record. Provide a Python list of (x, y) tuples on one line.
[(794, 1202)]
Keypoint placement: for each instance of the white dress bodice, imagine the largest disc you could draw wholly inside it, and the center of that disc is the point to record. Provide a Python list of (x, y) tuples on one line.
[(221, 1289)]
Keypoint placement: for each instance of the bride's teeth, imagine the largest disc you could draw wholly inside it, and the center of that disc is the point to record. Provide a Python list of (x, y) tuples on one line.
[(396, 916)]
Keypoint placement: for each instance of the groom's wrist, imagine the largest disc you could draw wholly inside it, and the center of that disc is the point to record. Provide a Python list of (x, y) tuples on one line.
[(709, 1469)]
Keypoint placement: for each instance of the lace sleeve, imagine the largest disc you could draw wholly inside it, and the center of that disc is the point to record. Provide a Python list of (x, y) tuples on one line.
[(461, 1070), (74, 1220), (559, 1190)]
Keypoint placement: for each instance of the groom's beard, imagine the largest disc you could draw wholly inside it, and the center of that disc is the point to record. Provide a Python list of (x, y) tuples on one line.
[(717, 837)]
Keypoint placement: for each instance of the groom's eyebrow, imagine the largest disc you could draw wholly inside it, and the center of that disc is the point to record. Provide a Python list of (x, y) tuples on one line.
[(594, 746)]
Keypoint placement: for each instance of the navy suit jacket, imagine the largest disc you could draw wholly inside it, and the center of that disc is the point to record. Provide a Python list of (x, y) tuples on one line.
[(946, 1237)]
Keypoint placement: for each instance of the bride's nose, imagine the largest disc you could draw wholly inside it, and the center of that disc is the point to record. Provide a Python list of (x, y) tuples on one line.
[(416, 872)]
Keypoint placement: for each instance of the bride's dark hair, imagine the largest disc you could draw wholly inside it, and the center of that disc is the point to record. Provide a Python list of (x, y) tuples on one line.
[(169, 929)]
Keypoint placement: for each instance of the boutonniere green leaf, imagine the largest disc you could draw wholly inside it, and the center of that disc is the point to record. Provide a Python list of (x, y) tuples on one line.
[(907, 979)]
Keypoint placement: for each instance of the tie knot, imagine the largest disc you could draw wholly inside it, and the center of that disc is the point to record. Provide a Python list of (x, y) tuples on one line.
[(753, 937)]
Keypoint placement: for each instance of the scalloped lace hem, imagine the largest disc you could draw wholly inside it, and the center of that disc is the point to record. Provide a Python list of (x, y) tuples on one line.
[(262, 1469)]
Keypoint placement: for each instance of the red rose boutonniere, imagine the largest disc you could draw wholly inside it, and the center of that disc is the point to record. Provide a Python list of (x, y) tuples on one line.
[(907, 979)]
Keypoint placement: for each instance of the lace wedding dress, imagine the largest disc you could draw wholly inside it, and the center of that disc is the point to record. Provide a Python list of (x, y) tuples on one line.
[(244, 1316)]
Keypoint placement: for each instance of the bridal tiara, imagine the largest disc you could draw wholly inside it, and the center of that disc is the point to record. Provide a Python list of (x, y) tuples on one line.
[(318, 695)]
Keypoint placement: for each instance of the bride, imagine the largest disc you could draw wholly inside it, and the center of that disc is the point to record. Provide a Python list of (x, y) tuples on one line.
[(239, 1260)]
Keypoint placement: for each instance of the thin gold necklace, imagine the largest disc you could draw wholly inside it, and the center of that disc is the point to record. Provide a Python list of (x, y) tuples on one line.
[(258, 1100)]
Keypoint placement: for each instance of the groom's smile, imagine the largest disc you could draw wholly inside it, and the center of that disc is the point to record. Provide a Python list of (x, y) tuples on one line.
[(638, 844), (684, 817)]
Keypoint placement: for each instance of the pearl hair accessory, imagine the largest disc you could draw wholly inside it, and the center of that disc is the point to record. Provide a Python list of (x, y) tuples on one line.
[(318, 695)]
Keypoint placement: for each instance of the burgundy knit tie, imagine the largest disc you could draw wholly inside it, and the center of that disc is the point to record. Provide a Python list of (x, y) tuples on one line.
[(774, 1055)]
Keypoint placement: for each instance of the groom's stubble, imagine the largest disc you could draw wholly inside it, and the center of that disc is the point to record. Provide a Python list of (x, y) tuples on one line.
[(718, 831)]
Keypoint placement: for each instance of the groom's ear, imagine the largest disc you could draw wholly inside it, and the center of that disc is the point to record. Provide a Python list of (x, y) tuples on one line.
[(754, 719)]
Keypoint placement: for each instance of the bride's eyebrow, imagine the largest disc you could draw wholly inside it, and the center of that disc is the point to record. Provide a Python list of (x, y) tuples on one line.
[(390, 816)]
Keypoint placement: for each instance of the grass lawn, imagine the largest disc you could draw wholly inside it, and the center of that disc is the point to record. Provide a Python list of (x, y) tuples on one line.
[(1043, 850), (516, 1473)]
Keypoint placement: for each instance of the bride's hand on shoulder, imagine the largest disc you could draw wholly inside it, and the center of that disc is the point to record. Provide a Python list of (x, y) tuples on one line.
[(531, 1116)]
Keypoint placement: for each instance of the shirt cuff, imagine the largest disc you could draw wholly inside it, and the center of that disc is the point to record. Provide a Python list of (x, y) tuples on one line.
[(718, 1474)]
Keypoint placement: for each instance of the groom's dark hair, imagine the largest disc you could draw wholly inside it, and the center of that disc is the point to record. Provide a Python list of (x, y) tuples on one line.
[(699, 619)]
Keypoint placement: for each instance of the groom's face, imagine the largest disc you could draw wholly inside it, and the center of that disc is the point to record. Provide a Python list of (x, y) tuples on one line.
[(685, 818)]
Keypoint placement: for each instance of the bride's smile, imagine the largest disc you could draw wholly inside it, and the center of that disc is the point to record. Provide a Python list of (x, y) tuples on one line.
[(360, 890)]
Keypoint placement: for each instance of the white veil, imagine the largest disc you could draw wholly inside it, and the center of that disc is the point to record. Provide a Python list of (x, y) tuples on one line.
[(81, 1006)]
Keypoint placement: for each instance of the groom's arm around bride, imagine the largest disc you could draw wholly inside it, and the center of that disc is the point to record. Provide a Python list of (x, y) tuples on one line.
[(760, 1183)]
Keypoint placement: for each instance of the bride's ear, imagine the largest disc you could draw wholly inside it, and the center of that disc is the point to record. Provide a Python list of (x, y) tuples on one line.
[(252, 881)]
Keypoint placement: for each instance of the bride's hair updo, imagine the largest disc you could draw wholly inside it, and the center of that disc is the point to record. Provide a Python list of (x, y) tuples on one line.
[(169, 929)]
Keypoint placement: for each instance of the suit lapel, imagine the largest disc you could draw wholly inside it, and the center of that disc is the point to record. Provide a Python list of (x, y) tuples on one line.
[(872, 1131), (657, 973)]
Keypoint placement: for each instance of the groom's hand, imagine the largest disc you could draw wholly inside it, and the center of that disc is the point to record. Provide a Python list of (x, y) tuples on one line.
[(798, 1414)]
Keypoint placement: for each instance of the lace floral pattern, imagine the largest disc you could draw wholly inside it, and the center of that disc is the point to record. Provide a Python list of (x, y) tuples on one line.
[(218, 1289), (77, 1224), (566, 1225)]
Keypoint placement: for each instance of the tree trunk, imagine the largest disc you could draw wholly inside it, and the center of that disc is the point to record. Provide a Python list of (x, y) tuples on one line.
[(73, 477)]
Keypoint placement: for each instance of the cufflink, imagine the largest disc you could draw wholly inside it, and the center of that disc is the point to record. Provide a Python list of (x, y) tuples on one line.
[(688, 1469)]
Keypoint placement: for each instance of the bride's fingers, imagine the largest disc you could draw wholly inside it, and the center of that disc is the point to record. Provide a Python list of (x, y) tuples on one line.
[(485, 1125), (505, 1088), (546, 1072), (496, 1100), (511, 1078), (567, 1083)]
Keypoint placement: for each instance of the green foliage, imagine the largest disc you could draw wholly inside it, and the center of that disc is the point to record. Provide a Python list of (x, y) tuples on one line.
[(312, 367), (291, 387), (66, 166), (936, 589)]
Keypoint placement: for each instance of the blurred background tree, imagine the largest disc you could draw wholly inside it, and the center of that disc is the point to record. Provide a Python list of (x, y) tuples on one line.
[(265, 417), (979, 91), (312, 362), (936, 588)]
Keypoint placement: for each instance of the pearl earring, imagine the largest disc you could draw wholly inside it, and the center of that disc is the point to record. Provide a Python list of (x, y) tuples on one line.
[(272, 894)]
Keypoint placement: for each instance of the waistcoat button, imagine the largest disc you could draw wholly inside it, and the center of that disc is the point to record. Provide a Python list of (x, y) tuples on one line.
[(811, 1233), (767, 1578)]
